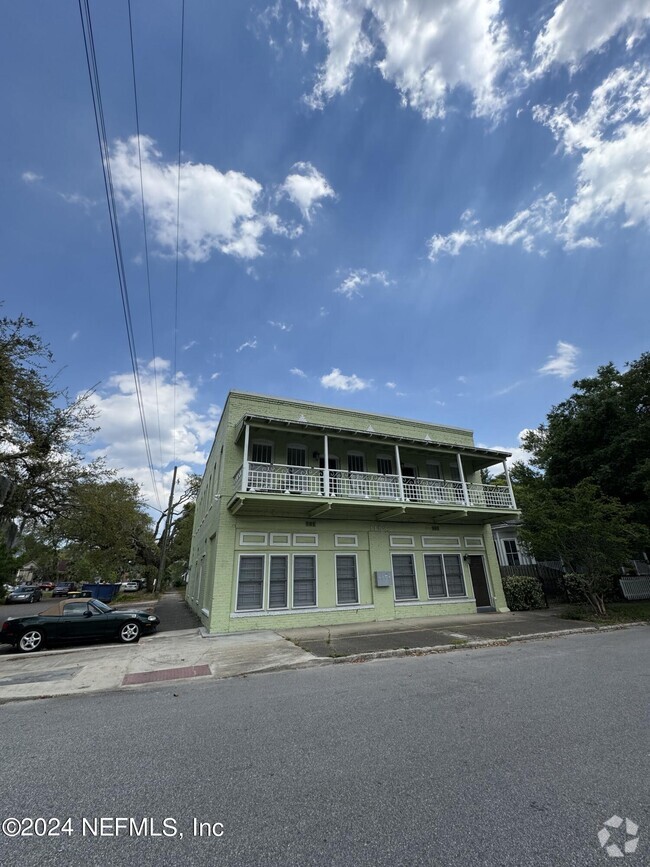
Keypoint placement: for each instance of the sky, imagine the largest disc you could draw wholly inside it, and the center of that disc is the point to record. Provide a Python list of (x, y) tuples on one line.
[(435, 209)]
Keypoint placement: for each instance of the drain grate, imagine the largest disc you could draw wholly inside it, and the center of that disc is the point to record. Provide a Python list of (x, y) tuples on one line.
[(166, 674)]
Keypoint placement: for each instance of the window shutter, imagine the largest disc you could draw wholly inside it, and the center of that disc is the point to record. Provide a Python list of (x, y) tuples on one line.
[(304, 581), (454, 572), (278, 583), (404, 577), (250, 585), (346, 580), (435, 575)]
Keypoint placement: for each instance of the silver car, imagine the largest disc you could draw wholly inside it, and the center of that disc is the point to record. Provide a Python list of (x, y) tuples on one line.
[(25, 593)]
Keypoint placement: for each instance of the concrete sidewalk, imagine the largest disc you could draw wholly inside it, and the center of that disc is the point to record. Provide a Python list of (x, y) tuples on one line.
[(182, 654)]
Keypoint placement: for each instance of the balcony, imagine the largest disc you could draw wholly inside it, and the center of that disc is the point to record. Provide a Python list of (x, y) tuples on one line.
[(257, 485)]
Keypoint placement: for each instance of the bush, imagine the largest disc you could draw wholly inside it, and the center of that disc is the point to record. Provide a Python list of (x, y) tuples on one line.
[(523, 592)]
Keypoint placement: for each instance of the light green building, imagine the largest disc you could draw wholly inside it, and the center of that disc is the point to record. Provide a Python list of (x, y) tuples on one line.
[(312, 515)]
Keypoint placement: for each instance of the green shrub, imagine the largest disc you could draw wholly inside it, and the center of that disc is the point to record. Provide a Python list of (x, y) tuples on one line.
[(523, 592)]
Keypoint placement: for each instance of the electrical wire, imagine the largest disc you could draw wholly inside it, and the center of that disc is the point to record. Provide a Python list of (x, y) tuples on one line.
[(178, 214), (93, 73), (146, 238)]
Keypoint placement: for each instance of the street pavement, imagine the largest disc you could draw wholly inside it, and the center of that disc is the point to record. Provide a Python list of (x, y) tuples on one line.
[(506, 756), (178, 654)]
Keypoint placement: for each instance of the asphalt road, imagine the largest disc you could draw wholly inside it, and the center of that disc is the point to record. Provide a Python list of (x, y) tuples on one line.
[(487, 758)]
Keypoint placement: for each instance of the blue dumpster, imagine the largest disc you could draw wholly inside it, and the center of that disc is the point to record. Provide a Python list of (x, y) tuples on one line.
[(104, 592)]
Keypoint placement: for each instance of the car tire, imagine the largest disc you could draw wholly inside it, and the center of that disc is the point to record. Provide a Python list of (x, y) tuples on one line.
[(31, 640), (130, 632)]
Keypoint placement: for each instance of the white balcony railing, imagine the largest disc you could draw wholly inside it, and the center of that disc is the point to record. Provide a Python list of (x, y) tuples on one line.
[(285, 479)]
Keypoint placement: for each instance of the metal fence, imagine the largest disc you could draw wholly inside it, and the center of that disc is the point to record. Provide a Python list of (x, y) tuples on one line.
[(548, 577)]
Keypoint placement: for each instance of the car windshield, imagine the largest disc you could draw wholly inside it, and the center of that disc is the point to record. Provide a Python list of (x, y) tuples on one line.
[(24, 588), (102, 606)]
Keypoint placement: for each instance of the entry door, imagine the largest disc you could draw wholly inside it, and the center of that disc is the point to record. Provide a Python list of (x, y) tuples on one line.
[(479, 581)]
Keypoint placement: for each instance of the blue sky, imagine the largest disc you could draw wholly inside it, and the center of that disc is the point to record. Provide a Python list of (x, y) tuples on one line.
[(437, 209)]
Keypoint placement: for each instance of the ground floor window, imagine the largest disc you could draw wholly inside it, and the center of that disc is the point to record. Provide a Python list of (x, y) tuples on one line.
[(304, 580), (347, 590), (404, 576), (444, 575), (278, 581), (511, 551), (250, 587)]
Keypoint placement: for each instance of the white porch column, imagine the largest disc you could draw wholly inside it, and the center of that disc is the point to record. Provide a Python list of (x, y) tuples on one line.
[(509, 481), (400, 480), (462, 479), (244, 478), (326, 468)]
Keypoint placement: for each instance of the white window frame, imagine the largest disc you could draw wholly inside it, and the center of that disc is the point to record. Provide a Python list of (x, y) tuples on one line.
[(402, 541), (356, 575), (411, 599), (340, 543), (263, 607), (297, 543), (268, 583), (262, 539), (441, 541), (275, 543), (293, 575), (442, 555)]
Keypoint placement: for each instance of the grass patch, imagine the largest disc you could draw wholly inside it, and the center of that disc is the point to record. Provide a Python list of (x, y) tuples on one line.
[(617, 612)]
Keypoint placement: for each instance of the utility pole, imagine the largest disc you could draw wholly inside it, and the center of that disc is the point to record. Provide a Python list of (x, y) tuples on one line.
[(165, 535)]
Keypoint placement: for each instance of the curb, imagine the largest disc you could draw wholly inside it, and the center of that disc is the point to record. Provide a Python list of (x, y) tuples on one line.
[(478, 644)]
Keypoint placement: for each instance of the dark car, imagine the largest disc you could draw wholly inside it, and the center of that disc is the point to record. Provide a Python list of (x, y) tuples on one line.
[(76, 620), (46, 585), (64, 588), (25, 593)]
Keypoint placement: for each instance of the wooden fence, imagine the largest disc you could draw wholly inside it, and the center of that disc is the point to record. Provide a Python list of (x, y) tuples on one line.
[(549, 578)]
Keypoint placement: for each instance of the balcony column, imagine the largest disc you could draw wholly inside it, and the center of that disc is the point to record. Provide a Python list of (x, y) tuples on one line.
[(400, 480), (509, 481), (462, 479), (326, 467), (244, 477)]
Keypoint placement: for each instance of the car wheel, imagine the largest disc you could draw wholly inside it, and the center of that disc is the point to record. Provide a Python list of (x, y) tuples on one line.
[(31, 640), (130, 632)]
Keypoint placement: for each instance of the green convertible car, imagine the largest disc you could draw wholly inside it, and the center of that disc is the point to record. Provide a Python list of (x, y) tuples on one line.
[(75, 620)]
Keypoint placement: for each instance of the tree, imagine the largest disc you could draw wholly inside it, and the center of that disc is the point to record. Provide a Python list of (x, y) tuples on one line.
[(41, 429), (591, 533), (106, 530), (602, 433)]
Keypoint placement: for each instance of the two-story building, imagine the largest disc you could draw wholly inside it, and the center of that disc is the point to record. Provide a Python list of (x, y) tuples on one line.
[(313, 515)]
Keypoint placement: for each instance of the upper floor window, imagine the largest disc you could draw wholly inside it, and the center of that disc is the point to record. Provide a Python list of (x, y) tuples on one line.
[(262, 453), (434, 470), (385, 466), (296, 456), (356, 462)]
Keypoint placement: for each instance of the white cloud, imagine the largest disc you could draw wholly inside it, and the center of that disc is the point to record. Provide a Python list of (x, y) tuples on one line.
[(351, 285), (77, 199), (282, 326), (298, 372), (218, 211), (391, 385), (31, 177), (612, 137), (561, 364), (74, 335), (249, 344), (518, 453), (187, 434), (542, 219), (305, 187), (341, 382), (578, 28), (462, 379), (215, 376), (507, 388), (190, 345), (425, 48)]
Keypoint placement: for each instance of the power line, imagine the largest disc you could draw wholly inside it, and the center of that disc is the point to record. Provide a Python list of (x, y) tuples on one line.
[(178, 212), (93, 73), (146, 239)]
